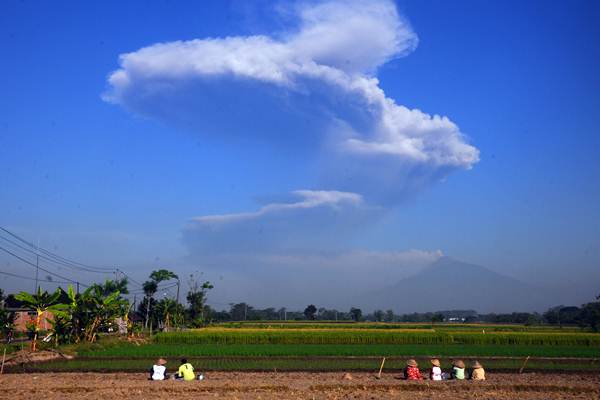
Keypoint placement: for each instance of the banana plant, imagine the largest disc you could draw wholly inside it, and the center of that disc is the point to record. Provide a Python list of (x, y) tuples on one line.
[(42, 303), (101, 309)]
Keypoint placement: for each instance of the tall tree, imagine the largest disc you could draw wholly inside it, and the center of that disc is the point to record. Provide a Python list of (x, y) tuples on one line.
[(378, 315), (196, 298), (590, 315), (151, 286), (356, 314), (310, 311), (389, 316)]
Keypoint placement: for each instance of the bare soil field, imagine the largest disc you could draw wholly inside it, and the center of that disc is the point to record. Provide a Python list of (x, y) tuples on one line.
[(297, 385)]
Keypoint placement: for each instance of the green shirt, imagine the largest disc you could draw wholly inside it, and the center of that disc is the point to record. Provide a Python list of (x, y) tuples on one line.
[(459, 373), (187, 372)]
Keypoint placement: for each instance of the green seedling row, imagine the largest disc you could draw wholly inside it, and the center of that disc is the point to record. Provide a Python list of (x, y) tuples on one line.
[(357, 336)]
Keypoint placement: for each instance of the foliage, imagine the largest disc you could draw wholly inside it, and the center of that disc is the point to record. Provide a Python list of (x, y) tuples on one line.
[(41, 302), (196, 298), (102, 310), (590, 315), (109, 287), (356, 314), (7, 321), (168, 313), (310, 312), (150, 287)]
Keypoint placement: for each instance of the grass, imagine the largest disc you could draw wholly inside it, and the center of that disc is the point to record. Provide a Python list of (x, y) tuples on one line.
[(372, 336), (171, 350)]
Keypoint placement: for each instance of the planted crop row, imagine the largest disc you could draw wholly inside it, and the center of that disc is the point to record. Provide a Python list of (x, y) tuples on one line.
[(289, 336), (396, 325), (366, 336), (333, 350)]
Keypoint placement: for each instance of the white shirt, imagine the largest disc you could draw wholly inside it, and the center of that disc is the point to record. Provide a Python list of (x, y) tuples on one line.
[(436, 373), (158, 372)]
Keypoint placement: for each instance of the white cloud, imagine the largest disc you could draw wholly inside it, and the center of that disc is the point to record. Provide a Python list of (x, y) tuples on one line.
[(314, 219), (322, 72), (308, 199)]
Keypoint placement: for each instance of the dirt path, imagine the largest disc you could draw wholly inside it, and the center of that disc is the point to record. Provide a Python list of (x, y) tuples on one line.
[(266, 386)]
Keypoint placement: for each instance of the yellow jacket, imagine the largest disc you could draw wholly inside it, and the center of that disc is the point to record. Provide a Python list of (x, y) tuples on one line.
[(478, 374)]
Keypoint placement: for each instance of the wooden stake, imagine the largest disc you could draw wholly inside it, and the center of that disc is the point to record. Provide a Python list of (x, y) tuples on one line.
[(523, 366), (3, 358), (381, 368)]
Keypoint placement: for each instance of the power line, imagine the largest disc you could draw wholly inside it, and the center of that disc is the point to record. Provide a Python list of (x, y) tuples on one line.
[(60, 264), (35, 266), (130, 279), (31, 279), (158, 289), (58, 258)]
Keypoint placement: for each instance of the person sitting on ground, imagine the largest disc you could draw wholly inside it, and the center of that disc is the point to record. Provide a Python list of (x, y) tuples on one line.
[(478, 373), (185, 372), (458, 370), (411, 372), (436, 371), (158, 372)]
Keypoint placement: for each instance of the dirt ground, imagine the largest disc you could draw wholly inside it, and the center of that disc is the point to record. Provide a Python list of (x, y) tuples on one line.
[(297, 385)]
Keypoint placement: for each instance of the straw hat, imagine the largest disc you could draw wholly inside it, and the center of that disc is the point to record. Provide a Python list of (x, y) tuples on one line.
[(458, 363), (476, 365), (435, 362), (412, 363), (161, 361)]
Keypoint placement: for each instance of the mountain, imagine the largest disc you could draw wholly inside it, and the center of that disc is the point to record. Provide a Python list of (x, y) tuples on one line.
[(450, 284)]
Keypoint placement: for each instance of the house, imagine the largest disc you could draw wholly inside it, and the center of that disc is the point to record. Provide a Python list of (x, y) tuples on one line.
[(23, 316)]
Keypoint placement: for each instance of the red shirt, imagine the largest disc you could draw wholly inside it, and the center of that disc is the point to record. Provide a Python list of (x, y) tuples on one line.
[(413, 374)]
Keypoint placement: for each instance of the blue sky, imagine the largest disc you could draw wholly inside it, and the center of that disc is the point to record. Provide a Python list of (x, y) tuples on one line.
[(134, 174)]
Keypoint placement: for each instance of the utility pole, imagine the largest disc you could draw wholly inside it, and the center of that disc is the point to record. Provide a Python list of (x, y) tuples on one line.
[(37, 266), (178, 290), (77, 287), (37, 271)]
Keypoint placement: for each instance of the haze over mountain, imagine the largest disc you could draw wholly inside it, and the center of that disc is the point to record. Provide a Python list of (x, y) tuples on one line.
[(450, 284)]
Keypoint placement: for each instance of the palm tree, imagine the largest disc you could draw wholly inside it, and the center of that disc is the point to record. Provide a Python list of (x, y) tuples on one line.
[(42, 302)]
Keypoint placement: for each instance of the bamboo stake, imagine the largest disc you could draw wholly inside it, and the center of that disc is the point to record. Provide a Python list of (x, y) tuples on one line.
[(3, 358), (523, 366), (380, 368)]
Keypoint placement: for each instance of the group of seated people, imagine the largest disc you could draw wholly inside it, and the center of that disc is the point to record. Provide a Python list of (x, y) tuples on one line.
[(158, 372), (411, 371)]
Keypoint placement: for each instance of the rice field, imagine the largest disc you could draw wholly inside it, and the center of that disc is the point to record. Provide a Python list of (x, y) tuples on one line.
[(227, 336), (353, 347), (339, 350)]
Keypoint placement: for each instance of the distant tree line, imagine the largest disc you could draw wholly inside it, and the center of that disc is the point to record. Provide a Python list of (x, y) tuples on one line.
[(586, 316)]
